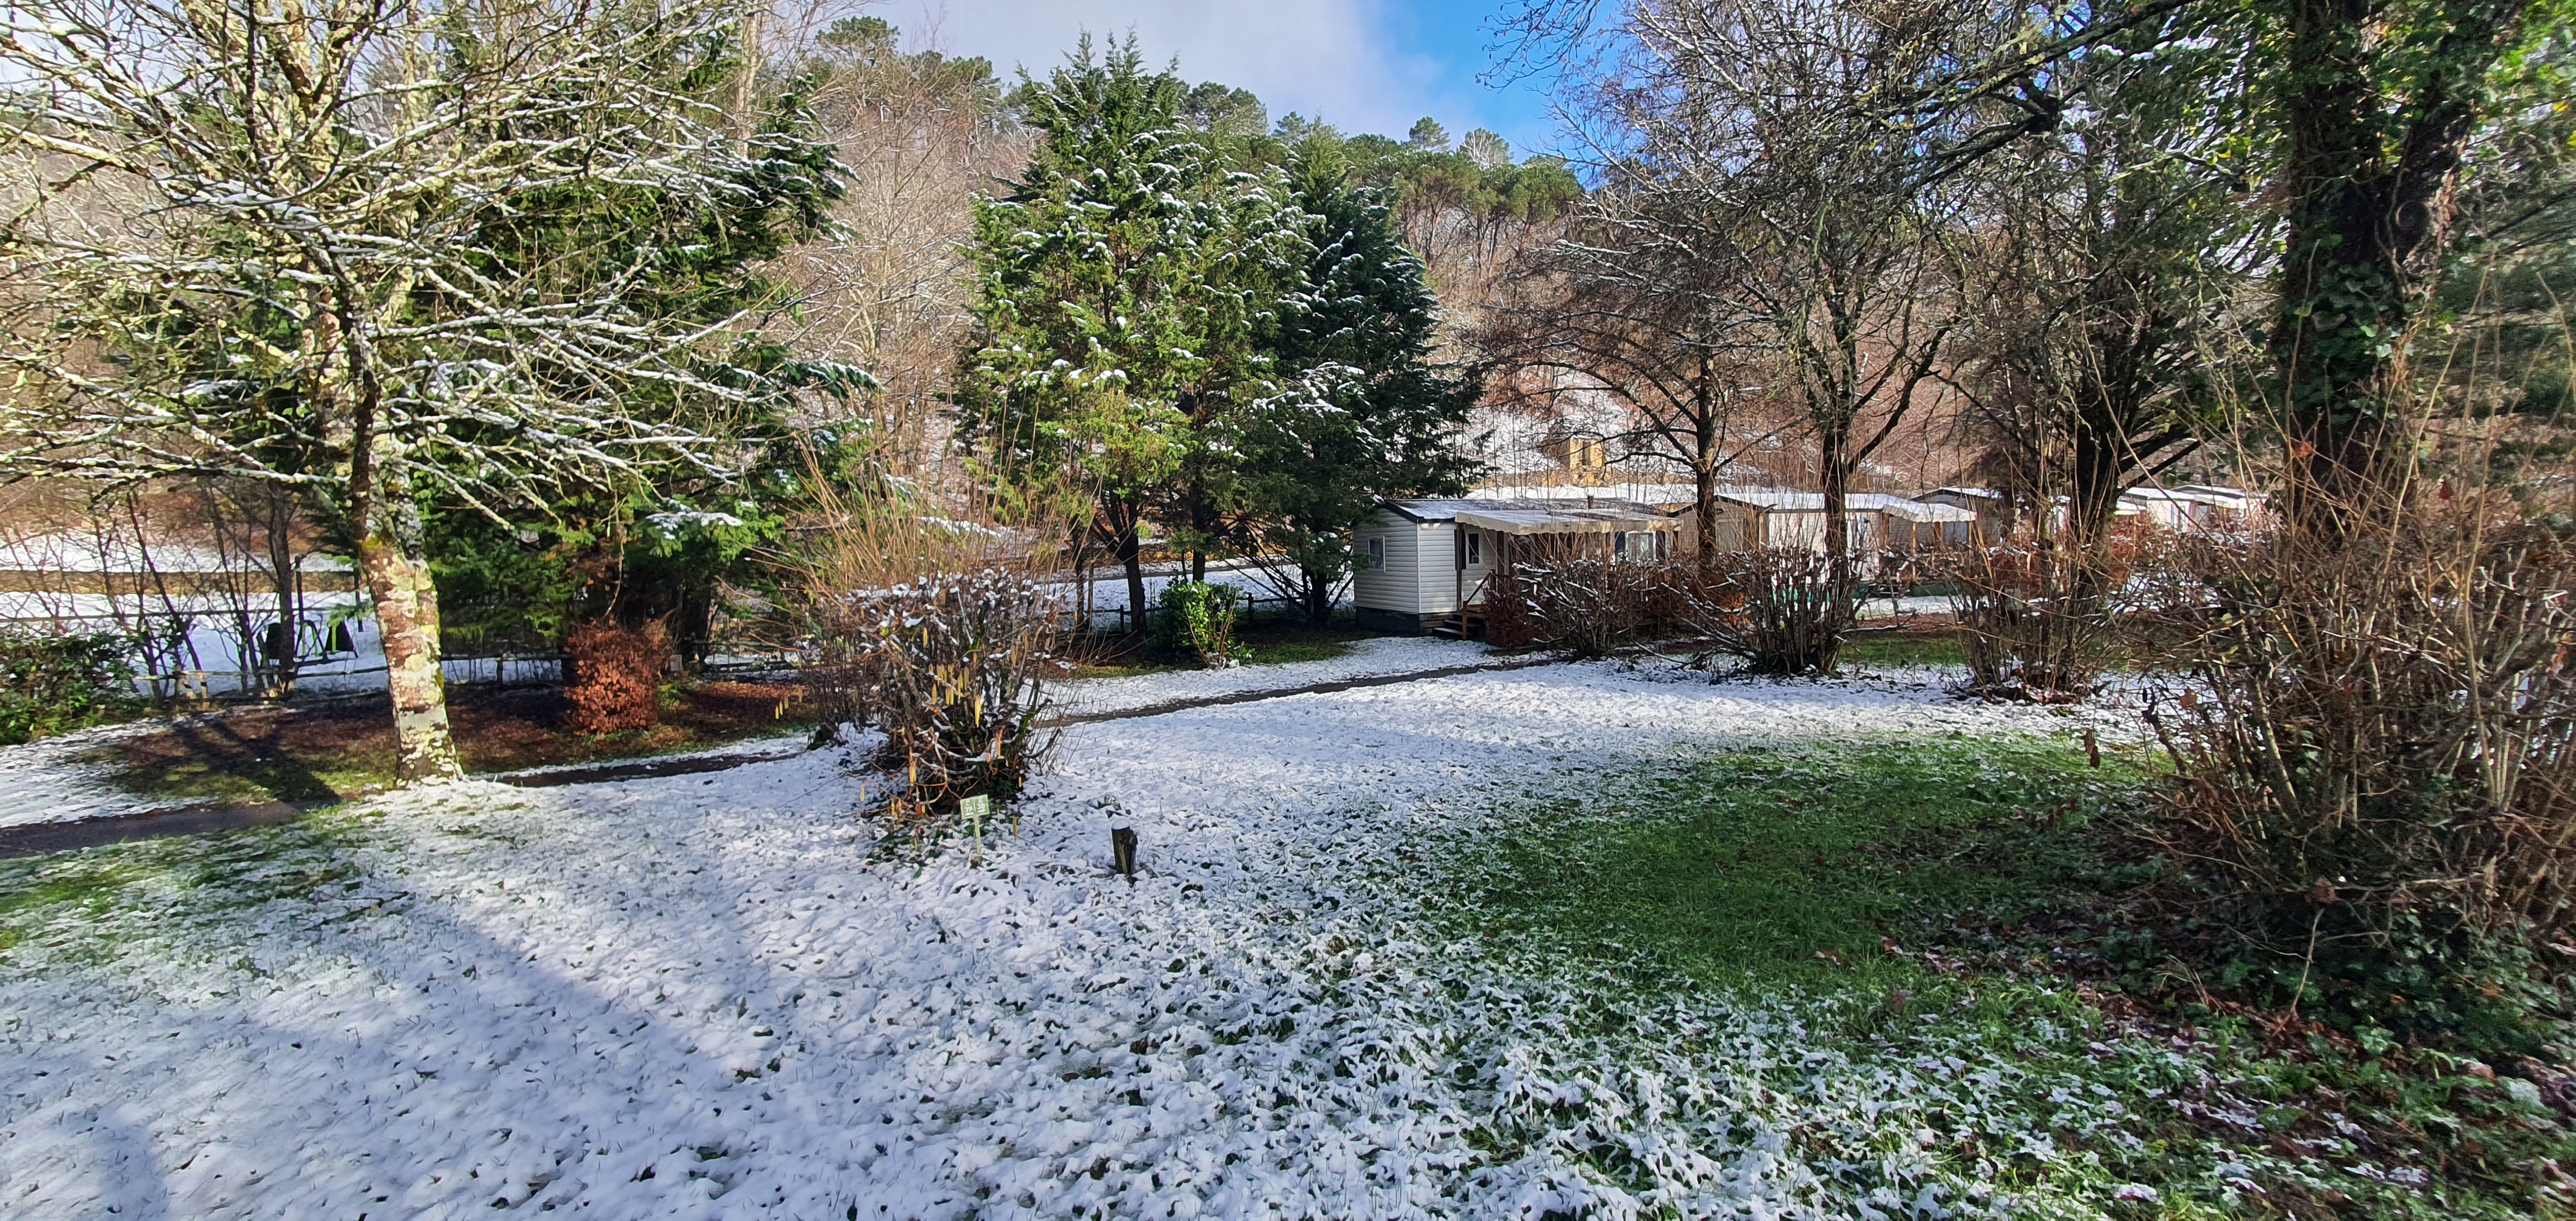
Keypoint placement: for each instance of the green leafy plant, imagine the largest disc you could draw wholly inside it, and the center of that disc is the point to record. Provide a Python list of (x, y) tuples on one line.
[(1199, 616), (53, 683)]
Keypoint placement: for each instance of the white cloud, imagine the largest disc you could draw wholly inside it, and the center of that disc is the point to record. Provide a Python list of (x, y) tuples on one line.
[(1320, 58)]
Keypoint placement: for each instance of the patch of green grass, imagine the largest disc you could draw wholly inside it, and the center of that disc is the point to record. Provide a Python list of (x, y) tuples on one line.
[(1283, 652), (1755, 862), (69, 896), (1792, 873), (1273, 640), (251, 781), (1904, 649)]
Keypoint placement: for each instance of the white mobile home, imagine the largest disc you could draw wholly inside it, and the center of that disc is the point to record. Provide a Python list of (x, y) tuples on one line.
[(1991, 511), (1914, 525), (1772, 517), (1423, 565), (2194, 507)]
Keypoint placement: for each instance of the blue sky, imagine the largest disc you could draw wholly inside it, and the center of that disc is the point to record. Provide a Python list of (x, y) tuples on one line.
[(1361, 65)]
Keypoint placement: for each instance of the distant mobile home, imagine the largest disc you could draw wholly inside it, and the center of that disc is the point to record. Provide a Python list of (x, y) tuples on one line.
[(1872, 522), (1421, 563), (2186, 508)]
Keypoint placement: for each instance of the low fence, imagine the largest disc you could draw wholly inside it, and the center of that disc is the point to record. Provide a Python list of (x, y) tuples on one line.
[(217, 654)]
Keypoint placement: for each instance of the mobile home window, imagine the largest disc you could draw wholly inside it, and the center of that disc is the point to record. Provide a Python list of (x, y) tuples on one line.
[(1619, 545), (1475, 549), (1376, 552)]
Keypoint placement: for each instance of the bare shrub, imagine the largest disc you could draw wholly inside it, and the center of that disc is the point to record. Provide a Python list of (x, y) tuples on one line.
[(2379, 749), (1777, 609), (1588, 607), (933, 628), (616, 677), (2033, 627), (951, 668)]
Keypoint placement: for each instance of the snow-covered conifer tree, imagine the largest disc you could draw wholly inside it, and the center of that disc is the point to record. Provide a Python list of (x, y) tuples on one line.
[(1123, 286)]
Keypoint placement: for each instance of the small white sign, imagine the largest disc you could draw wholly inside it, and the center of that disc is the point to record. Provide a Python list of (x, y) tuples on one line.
[(977, 807)]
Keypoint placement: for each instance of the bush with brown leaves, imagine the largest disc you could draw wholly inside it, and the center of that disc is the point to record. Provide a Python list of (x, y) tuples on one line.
[(2376, 737), (616, 677)]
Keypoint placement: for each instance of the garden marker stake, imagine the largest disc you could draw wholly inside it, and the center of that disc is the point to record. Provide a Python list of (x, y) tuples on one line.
[(1122, 849), (973, 809)]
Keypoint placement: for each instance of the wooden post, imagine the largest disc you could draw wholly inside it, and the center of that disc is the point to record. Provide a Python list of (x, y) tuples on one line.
[(2092, 749), (1458, 541), (1122, 851)]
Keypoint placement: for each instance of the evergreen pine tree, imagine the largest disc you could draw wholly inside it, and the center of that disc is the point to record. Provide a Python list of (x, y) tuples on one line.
[(1123, 287), (1367, 413)]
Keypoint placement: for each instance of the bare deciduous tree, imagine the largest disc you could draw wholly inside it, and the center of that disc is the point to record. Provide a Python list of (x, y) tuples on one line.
[(923, 133), (1600, 310), (2108, 275), (1746, 130)]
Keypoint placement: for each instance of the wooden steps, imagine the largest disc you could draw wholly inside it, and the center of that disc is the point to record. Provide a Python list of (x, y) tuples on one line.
[(1460, 625)]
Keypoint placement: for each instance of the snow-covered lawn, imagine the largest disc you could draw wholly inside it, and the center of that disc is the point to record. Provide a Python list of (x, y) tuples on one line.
[(709, 996)]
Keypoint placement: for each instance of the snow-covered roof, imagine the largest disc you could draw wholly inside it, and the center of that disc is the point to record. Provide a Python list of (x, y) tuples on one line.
[(1970, 493), (1634, 493), (1535, 516), (2196, 493), (1775, 500), (1916, 510)]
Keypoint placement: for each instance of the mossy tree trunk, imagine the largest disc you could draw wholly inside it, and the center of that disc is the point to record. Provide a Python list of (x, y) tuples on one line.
[(391, 560)]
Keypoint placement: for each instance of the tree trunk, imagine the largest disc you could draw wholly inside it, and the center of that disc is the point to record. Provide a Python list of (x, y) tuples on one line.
[(1704, 469), (693, 625), (1319, 605), (1844, 583), (2095, 469), (288, 587), (2368, 221), (407, 610), (1202, 528), (1130, 556)]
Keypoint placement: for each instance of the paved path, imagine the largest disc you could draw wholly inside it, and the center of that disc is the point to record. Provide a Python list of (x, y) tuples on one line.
[(89, 833)]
